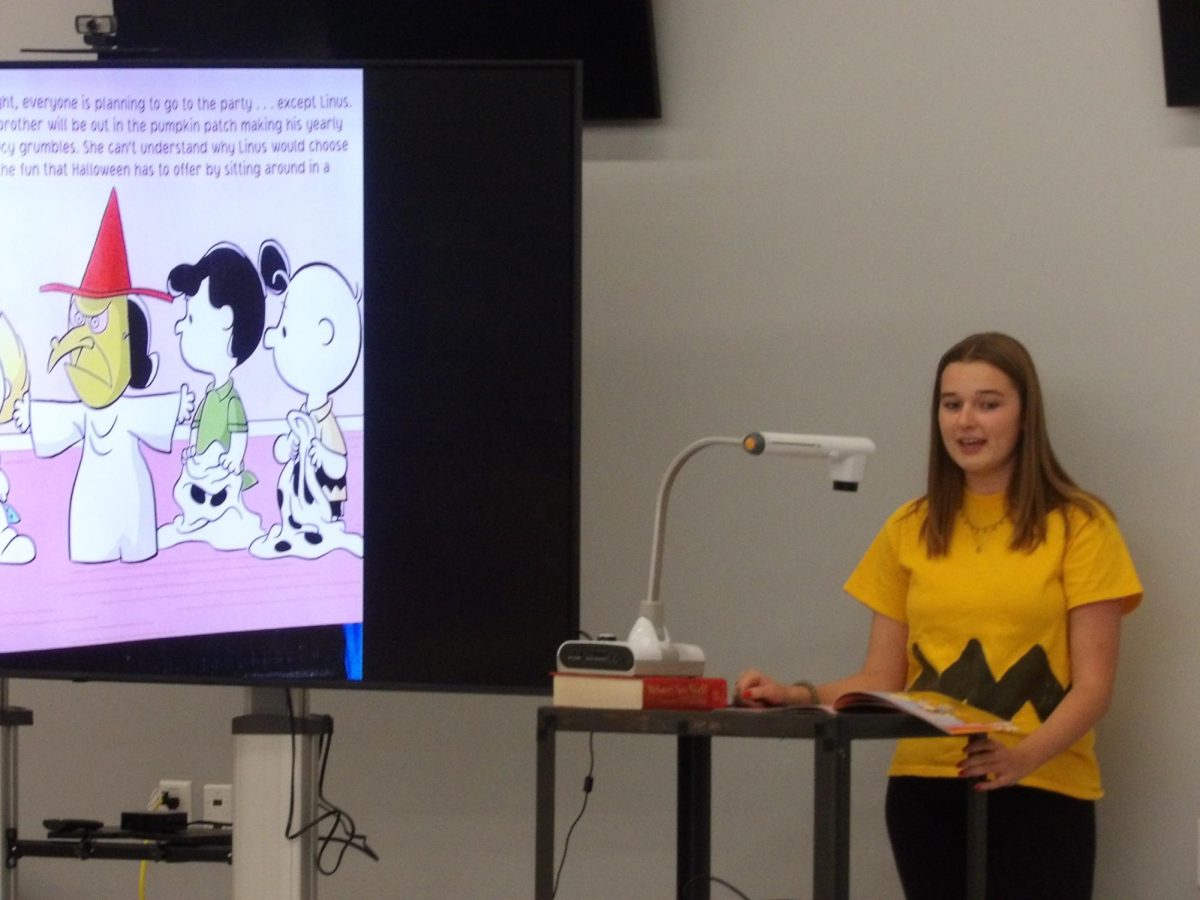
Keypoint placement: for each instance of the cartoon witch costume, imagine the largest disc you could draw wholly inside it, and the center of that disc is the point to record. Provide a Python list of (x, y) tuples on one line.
[(104, 352)]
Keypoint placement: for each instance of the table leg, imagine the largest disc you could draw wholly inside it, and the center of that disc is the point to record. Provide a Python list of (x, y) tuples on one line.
[(976, 840), (544, 838), (831, 813), (693, 850)]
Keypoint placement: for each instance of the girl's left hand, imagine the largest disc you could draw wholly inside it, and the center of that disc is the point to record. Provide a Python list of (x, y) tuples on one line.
[(997, 764)]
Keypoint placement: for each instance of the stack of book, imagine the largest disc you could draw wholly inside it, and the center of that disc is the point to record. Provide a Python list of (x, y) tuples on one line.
[(639, 692)]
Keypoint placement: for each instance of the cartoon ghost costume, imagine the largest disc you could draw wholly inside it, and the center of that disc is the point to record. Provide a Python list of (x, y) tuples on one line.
[(209, 496), (310, 502), (112, 501)]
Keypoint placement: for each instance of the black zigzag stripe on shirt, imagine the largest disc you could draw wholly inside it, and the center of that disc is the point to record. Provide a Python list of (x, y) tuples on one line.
[(969, 678)]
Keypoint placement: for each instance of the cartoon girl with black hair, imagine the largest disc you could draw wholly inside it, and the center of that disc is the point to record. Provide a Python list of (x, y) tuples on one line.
[(221, 327)]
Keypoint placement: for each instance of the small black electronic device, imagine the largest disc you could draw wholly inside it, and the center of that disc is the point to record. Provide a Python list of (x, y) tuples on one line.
[(97, 31), (602, 656), (61, 827), (153, 822)]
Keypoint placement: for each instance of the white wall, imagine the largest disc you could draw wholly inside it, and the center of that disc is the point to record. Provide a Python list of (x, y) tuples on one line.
[(44, 24), (837, 192)]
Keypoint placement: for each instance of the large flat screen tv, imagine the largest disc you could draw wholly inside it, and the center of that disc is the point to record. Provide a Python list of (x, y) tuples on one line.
[(290, 362), (614, 39), (1179, 21)]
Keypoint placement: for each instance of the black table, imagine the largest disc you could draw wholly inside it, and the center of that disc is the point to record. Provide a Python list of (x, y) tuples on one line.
[(832, 736)]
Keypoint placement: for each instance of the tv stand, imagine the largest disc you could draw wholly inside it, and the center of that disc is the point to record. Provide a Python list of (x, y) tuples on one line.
[(11, 718), (275, 771)]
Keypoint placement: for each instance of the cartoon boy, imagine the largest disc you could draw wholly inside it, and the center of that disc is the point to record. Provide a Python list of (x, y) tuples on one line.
[(15, 549), (105, 352), (222, 324), (316, 346)]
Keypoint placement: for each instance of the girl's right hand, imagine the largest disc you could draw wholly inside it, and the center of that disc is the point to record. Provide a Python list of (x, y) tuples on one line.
[(754, 688)]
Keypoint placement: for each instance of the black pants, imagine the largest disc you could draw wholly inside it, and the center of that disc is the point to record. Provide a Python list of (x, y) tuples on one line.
[(1041, 845)]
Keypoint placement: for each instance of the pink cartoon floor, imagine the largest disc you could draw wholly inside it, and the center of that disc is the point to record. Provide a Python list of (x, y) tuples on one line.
[(187, 589)]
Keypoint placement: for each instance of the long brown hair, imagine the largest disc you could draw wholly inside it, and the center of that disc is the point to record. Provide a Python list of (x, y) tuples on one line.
[(1039, 484)]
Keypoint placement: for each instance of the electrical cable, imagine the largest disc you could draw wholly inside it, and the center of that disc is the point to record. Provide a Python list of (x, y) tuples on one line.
[(341, 819), (588, 783), (351, 839), (713, 878), (154, 801)]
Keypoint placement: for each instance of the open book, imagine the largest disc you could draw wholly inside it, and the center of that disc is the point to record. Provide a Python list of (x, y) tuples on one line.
[(939, 710)]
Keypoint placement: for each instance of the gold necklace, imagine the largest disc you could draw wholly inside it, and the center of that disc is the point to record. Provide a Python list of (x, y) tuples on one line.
[(981, 532)]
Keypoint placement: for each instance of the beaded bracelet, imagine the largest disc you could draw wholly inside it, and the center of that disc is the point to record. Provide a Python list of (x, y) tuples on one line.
[(813, 697)]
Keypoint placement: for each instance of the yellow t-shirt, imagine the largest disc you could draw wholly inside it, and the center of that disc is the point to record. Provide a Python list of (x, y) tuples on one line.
[(988, 624)]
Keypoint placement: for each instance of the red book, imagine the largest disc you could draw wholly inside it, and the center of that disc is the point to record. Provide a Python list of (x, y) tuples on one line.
[(639, 692)]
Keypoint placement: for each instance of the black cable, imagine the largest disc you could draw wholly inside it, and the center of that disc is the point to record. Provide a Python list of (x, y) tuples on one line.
[(687, 884), (341, 819), (287, 829), (721, 881), (588, 783), (327, 810)]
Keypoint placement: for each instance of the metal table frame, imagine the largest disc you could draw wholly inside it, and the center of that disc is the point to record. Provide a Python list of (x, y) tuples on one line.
[(832, 736)]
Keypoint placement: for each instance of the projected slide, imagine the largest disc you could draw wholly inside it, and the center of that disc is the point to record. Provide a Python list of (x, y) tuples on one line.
[(181, 320)]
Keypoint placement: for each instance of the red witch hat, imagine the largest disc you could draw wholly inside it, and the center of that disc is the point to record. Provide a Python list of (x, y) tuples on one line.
[(107, 272)]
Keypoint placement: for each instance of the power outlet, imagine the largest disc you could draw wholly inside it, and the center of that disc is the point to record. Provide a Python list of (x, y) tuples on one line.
[(177, 790), (218, 803)]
